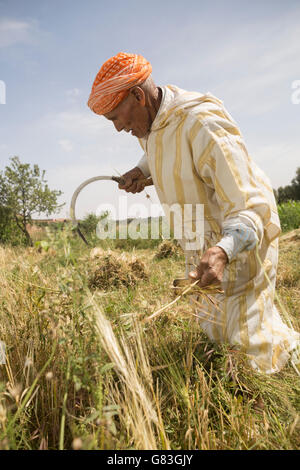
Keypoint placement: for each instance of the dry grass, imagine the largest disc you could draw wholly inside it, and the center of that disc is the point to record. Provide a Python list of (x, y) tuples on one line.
[(111, 270), (167, 249), (288, 278), (134, 393), (84, 372)]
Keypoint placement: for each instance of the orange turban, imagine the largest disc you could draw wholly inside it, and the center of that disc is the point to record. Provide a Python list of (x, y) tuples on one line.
[(113, 81)]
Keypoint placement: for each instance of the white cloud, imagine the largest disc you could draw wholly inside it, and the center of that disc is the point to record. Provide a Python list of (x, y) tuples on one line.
[(76, 122), (81, 145), (66, 145), (95, 137), (73, 95), (73, 92), (264, 85), (68, 177), (278, 160), (14, 31), (250, 66)]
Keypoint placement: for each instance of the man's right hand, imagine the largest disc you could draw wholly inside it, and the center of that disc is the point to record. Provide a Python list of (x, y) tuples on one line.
[(134, 181)]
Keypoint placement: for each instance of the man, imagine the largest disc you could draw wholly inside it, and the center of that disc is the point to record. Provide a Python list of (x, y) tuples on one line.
[(195, 155)]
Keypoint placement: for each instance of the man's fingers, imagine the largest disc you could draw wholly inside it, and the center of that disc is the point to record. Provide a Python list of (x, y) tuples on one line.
[(126, 182), (208, 278), (133, 181), (211, 267), (133, 185), (132, 188), (140, 186), (196, 274)]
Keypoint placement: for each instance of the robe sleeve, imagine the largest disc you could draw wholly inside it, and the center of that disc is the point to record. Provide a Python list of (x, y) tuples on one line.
[(143, 165), (241, 189), (237, 238)]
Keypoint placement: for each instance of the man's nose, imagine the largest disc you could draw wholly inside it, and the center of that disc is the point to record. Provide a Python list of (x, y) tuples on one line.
[(119, 127)]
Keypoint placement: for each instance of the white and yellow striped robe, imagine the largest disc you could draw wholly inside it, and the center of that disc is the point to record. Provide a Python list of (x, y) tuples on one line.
[(196, 155)]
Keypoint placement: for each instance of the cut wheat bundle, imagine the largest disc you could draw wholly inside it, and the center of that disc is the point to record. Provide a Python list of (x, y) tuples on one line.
[(114, 271), (185, 287)]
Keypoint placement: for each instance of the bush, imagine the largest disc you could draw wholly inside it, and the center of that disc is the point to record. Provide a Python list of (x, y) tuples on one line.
[(89, 224), (289, 214), (9, 232)]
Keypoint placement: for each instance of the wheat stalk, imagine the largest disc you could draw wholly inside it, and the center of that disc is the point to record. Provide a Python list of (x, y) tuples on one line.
[(202, 292)]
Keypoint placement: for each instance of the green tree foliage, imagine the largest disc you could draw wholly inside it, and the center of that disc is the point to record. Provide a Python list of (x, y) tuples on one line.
[(89, 223), (8, 229), (289, 214), (290, 192), (9, 232), (24, 192)]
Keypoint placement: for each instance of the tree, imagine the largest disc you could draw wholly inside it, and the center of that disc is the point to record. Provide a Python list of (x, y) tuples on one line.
[(7, 224), (295, 184), (25, 192), (90, 222), (290, 192)]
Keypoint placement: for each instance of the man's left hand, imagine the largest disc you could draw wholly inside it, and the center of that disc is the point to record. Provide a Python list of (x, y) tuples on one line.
[(211, 267)]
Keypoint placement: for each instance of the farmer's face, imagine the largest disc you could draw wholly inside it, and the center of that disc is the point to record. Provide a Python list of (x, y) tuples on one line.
[(132, 114)]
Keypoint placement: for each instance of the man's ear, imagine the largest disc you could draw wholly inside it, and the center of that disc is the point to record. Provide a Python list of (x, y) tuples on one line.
[(139, 95)]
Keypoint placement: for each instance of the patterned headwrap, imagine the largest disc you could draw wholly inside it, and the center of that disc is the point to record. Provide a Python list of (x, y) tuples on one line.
[(113, 81)]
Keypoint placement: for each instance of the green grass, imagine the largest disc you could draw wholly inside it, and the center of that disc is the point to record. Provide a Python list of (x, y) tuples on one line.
[(289, 214), (83, 372)]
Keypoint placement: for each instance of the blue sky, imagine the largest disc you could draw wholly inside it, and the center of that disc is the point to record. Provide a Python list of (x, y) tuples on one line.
[(245, 53)]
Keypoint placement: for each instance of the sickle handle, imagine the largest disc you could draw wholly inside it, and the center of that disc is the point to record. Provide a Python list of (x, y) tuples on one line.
[(146, 181)]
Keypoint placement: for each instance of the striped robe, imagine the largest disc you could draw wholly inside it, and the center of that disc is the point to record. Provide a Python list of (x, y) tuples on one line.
[(195, 154)]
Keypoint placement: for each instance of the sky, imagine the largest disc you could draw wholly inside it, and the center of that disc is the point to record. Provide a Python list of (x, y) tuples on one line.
[(245, 53)]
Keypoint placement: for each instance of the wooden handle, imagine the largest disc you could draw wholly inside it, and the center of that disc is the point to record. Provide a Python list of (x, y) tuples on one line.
[(145, 181)]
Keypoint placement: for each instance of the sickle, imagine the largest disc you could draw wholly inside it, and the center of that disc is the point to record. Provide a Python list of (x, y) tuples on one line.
[(146, 181)]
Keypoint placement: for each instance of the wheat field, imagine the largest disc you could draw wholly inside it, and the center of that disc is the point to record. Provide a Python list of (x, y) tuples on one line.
[(83, 371)]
